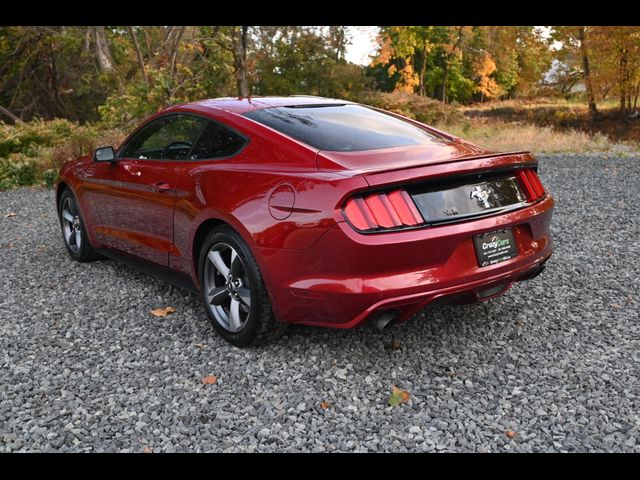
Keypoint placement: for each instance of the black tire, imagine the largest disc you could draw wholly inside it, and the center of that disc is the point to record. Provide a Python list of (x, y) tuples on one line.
[(260, 325), (85, 253)]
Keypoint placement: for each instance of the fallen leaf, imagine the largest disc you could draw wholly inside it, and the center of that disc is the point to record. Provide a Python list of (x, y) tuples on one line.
[(147, 450), (324, 405), (398, 396), (162, 312), (210, 380), (452, 373), (10, 214), (511, 434), (394, 345)]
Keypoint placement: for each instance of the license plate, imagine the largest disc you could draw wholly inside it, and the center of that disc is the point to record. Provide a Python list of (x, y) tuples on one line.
[(495, 247)]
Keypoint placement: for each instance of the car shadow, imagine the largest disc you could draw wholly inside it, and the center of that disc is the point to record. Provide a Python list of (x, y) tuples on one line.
[(427, 329)]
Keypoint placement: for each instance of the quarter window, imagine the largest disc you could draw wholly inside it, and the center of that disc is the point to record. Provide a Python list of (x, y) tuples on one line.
[(216, 141), (167, 138)]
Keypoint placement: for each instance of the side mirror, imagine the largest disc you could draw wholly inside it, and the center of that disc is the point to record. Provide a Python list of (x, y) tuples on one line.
[(104, 154)]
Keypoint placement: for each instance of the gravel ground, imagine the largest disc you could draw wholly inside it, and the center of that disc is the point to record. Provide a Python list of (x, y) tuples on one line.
[(86, 367)]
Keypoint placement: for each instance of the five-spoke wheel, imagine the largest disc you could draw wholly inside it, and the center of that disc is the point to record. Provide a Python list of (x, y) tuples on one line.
[(71, 224), (73, 229), (227, 287), (233, 291)]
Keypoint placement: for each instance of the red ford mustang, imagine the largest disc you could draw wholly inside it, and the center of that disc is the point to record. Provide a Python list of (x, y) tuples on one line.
[(308, 210)]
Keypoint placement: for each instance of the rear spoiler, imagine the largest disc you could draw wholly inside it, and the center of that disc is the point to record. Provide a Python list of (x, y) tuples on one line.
[(459, 166)]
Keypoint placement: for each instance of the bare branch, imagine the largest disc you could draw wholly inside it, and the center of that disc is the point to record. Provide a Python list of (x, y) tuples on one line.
[(174, 50), (136, 45), (10, 115)]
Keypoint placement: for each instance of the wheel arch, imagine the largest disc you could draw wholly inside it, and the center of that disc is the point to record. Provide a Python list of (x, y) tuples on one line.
[(201, 233), (213, 220), (62, 186)]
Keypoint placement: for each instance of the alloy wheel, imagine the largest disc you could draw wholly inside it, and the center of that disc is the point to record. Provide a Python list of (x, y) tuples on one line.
[(227, 287), (71, 225)]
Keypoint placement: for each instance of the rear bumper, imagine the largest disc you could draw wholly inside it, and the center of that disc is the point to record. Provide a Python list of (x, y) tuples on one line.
[(347, 278)]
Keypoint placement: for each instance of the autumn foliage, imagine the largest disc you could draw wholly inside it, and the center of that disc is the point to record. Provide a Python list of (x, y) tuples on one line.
[(460, 63), (66, 89)]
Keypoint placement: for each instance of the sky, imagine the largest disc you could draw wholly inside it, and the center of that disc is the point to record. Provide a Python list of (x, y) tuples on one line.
[(363, 44)]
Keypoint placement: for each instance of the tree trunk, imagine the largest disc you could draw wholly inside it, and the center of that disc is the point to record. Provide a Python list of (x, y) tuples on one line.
[(443, 93), (54, 91), (174, 50), (586, 73), (147, 43), (103, 55), (623, 83), (136, 45), (240, 61), (9, 114), (448, 59), (87, 40), (423, 67), (165, 43)]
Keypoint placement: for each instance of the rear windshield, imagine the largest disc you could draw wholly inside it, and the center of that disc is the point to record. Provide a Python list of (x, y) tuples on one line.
[(343, 128)]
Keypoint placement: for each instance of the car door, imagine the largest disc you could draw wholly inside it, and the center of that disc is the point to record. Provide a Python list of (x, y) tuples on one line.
[(217, 145), (137, 199)]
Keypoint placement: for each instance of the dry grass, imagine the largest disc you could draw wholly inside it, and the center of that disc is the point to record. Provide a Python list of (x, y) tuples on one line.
[(513, 136), (523, 104)]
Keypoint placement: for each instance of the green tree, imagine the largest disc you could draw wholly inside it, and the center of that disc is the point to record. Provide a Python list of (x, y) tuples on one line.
[(303, 60)]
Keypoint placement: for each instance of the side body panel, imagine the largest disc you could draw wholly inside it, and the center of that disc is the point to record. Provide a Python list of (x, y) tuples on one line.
[(271, 193)]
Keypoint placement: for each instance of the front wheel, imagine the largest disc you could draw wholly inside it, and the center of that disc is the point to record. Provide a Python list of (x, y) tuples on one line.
[(233, 291), (73, 229)]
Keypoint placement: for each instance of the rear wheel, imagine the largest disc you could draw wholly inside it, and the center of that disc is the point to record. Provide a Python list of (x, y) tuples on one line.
[(73, 229), (233, 291)]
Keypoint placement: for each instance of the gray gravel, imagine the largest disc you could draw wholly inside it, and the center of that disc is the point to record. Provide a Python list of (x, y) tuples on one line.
[(86, 367)]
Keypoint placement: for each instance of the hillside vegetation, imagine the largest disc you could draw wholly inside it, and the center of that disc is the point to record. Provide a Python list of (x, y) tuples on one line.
[(66, 89)]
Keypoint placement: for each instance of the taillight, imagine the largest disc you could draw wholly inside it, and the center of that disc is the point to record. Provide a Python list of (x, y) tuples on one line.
[(382, 210), (532, 186)]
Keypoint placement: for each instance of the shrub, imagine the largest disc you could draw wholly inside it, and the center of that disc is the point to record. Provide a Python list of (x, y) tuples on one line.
[(50, 176), (33, 152), (17, 171), (29, 137), (423, 109)]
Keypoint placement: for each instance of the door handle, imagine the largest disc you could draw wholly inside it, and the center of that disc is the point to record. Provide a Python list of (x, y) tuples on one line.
[(161, 187)]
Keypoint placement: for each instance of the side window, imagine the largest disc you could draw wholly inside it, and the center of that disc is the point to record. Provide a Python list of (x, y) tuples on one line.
[(216, 141), (167, 138)]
